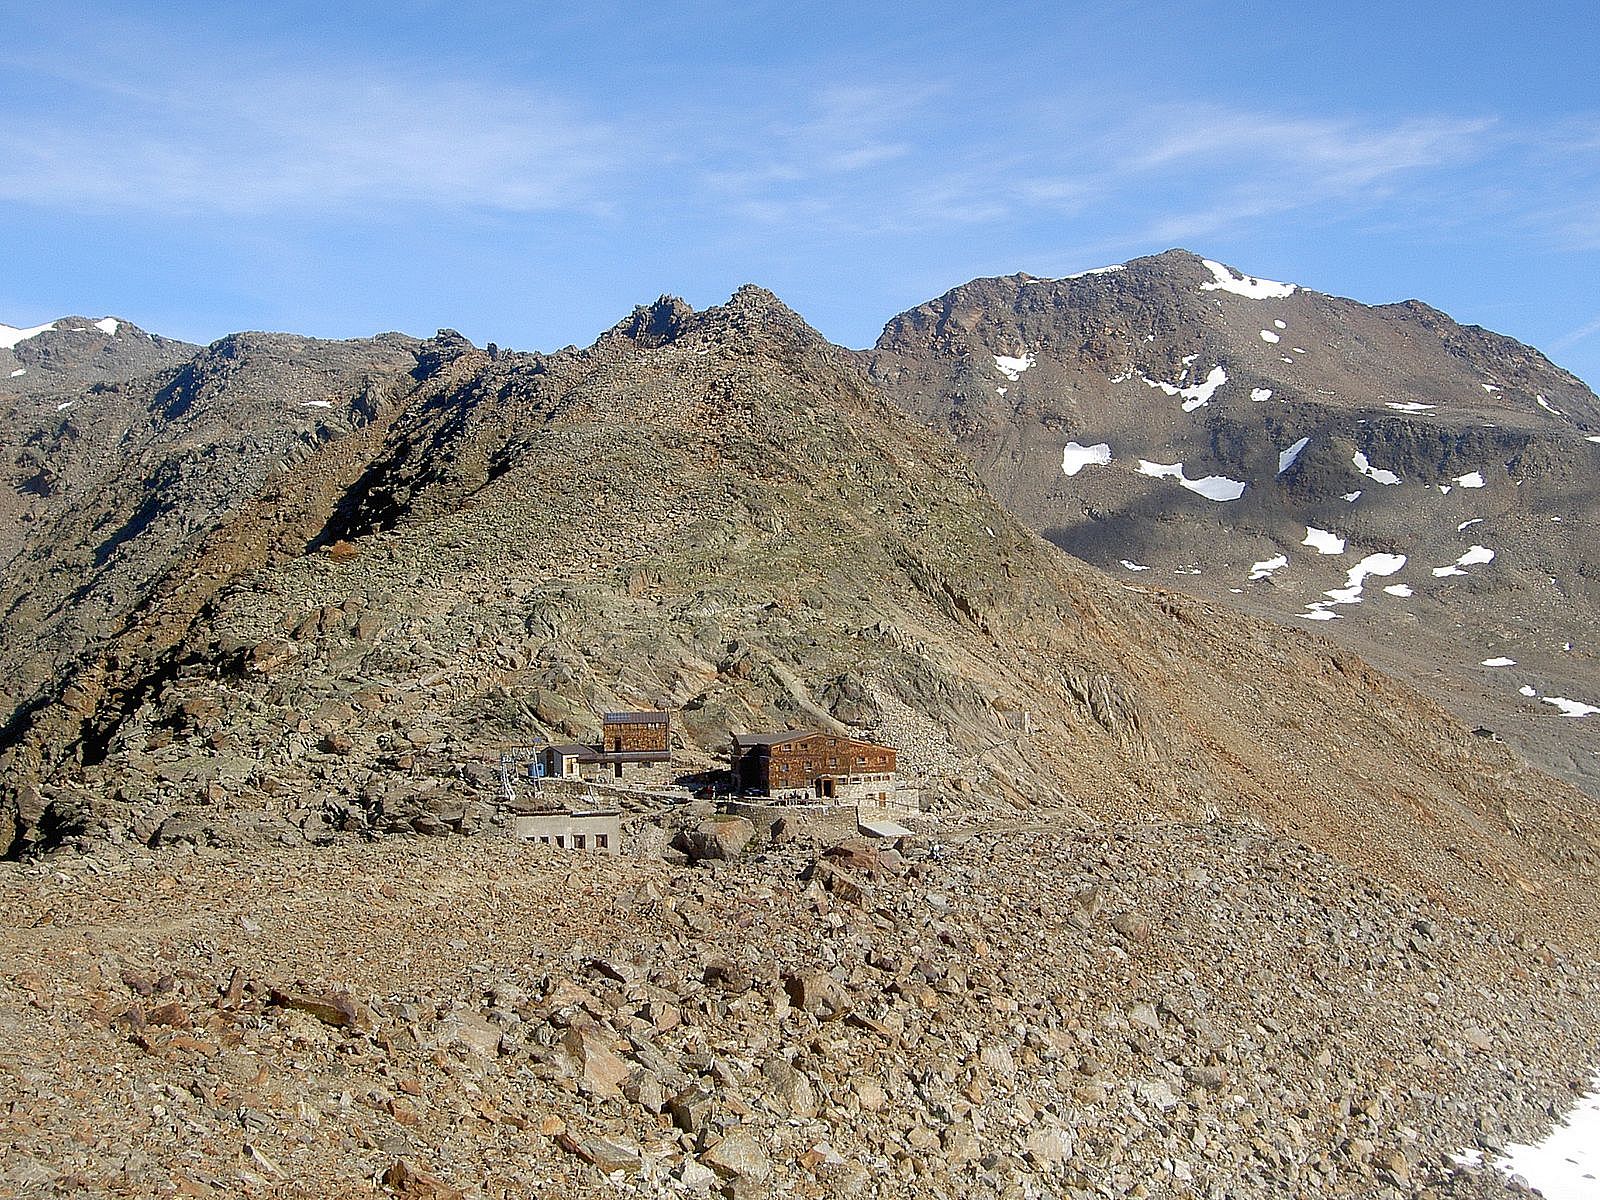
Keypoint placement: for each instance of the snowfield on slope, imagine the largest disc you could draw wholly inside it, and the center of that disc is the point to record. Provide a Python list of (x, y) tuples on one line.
[(1248, 286), (1212, 487)]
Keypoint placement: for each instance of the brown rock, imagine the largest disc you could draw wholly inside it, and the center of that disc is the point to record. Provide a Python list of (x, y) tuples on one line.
[(739, 1156), (171, 1014), (405, 1179), (339, 1009), (586, 1057), (819, 994)]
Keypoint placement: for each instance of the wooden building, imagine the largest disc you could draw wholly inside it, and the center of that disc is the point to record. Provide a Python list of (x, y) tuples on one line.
[(825, 766), (645, 734), (625, 738)]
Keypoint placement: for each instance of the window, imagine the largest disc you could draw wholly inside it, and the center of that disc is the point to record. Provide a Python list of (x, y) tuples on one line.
[(579, 842), (602, 841)]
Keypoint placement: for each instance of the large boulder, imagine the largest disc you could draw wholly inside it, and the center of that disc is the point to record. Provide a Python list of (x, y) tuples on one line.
[(717, 839)]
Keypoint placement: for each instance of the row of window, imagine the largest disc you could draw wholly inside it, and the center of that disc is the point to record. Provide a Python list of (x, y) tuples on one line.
[(580, 841), (809, 764)]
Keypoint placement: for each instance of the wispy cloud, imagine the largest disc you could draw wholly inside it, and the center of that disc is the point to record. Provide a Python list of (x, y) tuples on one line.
[(875, 160), (1581, 334), (299, 141)]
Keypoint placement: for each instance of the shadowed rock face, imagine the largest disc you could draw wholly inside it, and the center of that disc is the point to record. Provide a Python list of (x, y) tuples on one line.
[(716, 512), (1391, 430)]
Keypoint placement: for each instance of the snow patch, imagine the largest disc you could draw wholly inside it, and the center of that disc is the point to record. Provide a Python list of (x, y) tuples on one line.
[(1474, 557), (108, 326), (1527, 691), (1472, 479), (1571, 708), (1247, 286), (1280, 325), (1410, 406), (1075, 458), (1469, 524), (1545, 404), (1373, 565), (1197, 395), (10, 335), (1269, 337), (1200, 394), (1351, 497), (1265, 568), (1498, 662), (1564, 1166), (1592, 439), (19, 371), (1261, 395), (1012, 368), (1133, 566), (64, 405), (1489, 387), (1399, 589), (1111, 270), (1286, 458), (1376, 474), (316, 404), (1212, 487), (1323, 542)]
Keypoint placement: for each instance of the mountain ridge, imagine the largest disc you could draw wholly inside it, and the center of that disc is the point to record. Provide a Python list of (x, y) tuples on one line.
[(717, 511)]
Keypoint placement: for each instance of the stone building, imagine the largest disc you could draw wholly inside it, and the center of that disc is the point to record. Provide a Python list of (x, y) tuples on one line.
[(594, 829)]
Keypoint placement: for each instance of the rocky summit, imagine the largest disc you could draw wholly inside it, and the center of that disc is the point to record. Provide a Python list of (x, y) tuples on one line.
[(1418, 490), (1197, 903)]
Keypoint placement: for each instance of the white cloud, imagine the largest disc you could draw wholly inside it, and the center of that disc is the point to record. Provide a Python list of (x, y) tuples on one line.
[(293, 141)]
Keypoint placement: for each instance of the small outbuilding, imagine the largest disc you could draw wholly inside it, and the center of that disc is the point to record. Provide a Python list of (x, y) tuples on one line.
[(574, 829)]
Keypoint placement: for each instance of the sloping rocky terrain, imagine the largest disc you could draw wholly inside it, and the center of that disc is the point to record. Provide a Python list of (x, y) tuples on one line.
[(114, 488), (1227, 912), (1184, 1010), (71, 354), (1282, 451)]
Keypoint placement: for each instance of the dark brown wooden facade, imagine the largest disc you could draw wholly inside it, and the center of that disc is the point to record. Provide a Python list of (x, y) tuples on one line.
[(807, 760), (643, 736)]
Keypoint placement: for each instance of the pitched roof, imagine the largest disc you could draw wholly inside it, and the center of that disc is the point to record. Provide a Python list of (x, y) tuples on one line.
[(574, 750), (770, 739), (790, 735)]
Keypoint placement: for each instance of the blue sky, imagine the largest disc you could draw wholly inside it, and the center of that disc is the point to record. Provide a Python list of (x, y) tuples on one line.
[(527, 173)]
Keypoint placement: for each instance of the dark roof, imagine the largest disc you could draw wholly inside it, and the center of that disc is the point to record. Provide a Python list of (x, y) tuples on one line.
[(574, 750), (789, 735), (770, 739), (652, 717)]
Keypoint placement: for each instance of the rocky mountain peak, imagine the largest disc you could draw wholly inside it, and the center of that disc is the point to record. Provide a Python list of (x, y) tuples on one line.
[(658, 324), (440, 350)]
